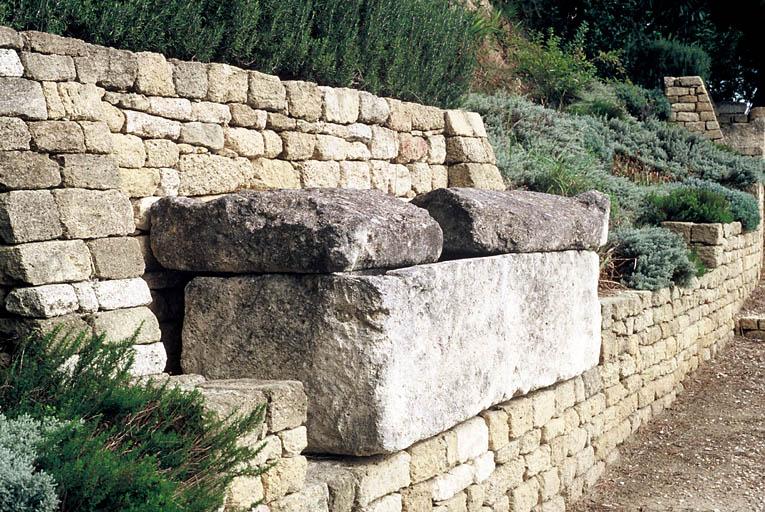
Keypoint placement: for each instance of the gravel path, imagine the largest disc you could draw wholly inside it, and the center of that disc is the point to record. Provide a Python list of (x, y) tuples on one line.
[(706, 453)]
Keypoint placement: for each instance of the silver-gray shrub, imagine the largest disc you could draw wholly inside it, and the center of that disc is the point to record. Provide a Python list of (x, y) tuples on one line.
[(22, 487)]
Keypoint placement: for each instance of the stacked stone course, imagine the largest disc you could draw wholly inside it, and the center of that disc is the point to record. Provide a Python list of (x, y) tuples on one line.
[(692, 107), (743, 131), (91, 137)]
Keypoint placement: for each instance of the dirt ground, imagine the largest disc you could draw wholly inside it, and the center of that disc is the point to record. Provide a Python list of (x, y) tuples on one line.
[(706, 453)]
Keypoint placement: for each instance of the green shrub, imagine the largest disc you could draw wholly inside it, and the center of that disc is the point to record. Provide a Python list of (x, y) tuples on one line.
[(743, 205), (124, 445), (643, 103), (599, 100), (650, 60), (687, 204), (22, 487), (651, 258), (552, 73), (421, 50)]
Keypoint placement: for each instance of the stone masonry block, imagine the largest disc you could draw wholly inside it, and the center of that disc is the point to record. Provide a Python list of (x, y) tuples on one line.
[(55, 68), (431, 457), (22, 98), (266, 92), (14, 134), (269, 174), (151, 127), (9, 38), (190, 78), (129, 151), (208, 112), (155, 75), (45, 262), (89, 171), (226, 84), (28, 216), (208, 135), (708, 234), (458, 124), (304, 100), (161, 153), (341, 105), (170, 108), (122, 293), (98, 139), (123, 324), (245, 142), (520, 416), (400, 118), (472, 175), (10, 64), (58, 136), (149, 359), (139, 182), (373, 109), (472, 439), (43, 301), (287, 476), (116, 257), (94, 213), (212, 174), (27, 170)]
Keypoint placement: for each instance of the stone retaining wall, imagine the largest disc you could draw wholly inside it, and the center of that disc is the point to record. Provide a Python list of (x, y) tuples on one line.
[(744, 131), (692, 107), (91, 137)]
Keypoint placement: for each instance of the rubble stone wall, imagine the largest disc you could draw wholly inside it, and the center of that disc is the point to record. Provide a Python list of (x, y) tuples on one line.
[(692, 107), (743, 131), (91, 137)]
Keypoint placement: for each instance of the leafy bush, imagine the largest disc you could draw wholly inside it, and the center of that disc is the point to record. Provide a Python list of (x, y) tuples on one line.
[(599, 100), (643, 103), (22, 487), (651, 258), (687, 204), (743, 206), (650, 60), (421, 50), (552, 73), (124, 446)]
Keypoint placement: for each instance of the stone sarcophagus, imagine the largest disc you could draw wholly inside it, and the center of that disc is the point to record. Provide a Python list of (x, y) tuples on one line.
[(391, 356)]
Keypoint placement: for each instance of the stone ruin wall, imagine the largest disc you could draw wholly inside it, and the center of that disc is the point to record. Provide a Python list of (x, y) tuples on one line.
[(91, 137), (726, 123)]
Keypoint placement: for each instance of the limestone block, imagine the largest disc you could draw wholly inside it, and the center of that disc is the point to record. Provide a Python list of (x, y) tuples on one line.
[(14, 134), (151, 127), (280, 122), (28, 216), (316, 174), (709, 234), (499, 431), (86, 297), (226, 84), (472, 439), (341, 105), (53, 101), (94, 213), (476, 124), (372, 109), (45, 262), (116, 257), (155, 75), (297, 145), (268, 174), (355, 175), (202, 134), (287, 476), (123, 324), (400, 118), (190, 78), (440, 176), (208, 112), (122, 293), (510, 297), (454, 481), (242, 492), (112, 116), (436, 149), (247, 117), (22, 98), (484, 176), (340, 482), (57, 136), (272, 144), (431, 457), (80, 102), (129, 151), (55, 68), (139, 182), (10, 64), (171, 108), (468, 149), (43, 301), (149, 359), (421, 177), (304, 100), (341, 230), (358, 132), (411, 149), (390, 503), (426, 118), (687, 117), (98, 139), (107, 67), (27, 170), (378, 476), (486, 222), (484, 466), (44, 42), (457, 123), (681, 228), (9, 38), (294, 441), (212, 174), (313, 498), (161, 153), (384, 144), (169, 182), (266, 92), (247, 143), (329, 147), (89, 171)]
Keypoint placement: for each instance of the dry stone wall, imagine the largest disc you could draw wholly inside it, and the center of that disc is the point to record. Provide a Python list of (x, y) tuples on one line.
[(91, 137), (743, 131), (692, 106)]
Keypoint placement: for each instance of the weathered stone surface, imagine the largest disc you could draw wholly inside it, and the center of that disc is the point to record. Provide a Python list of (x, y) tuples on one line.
[(244, 142), (269, 174), (304, 100), (27, 170), (45, 262), (155, 75), (484, 176), (81, 102), (341, 105), (171, 108), (266, 92), (292, 231), (537, 317), (9, 38), (485, 222), (94, 213), (190, 78), (202, 134), (43, 301), (129, 150), (10, 64), (208, 112), (116, 257), (153, 127), (212, 174), (14, 134), (22, 98), (98, 139), (139, 182), (247, 117), (373, 109), (298, 145), (312, 498), (58, 136), (122, 293), (226, 84), (122, 324), (28, 216), (149, 359), (38, 66), (89, 171)]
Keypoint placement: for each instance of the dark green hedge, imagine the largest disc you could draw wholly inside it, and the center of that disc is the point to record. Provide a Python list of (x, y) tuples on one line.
[(419, 50)]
